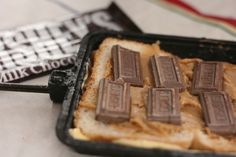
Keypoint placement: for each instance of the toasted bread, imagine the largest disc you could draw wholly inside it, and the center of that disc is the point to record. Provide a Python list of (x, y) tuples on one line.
[(138, 131)]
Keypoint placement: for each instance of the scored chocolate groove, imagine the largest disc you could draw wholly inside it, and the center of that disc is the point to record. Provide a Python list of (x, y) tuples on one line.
[(113, 104), (207, 76), (127, 65), (218, 112), (163, 105), (166, 72)]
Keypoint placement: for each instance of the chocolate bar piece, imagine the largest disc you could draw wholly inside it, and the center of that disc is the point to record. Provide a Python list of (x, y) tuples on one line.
[(166, 72), (114, 100), (163, 105), (207, 76), (127, 65), (218, 112)]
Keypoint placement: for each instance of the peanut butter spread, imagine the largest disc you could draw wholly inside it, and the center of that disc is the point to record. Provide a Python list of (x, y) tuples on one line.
[(192, 134)]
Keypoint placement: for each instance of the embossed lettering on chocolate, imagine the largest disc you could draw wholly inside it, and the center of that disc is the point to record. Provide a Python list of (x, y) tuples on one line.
[(218, 112), (163, 105), (166, 72), (127, 65), (114, 101), (207, 76)]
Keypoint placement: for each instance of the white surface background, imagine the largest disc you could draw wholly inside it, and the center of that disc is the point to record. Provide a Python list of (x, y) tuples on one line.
[(27, 120)]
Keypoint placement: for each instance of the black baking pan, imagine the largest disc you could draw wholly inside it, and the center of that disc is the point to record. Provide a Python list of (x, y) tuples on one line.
[(183, 47)]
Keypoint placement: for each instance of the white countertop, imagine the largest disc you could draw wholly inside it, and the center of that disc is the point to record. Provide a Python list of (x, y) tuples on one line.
[(27, 120)]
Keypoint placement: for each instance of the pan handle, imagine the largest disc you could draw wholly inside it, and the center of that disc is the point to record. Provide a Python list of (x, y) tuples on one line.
[(58, 83)]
